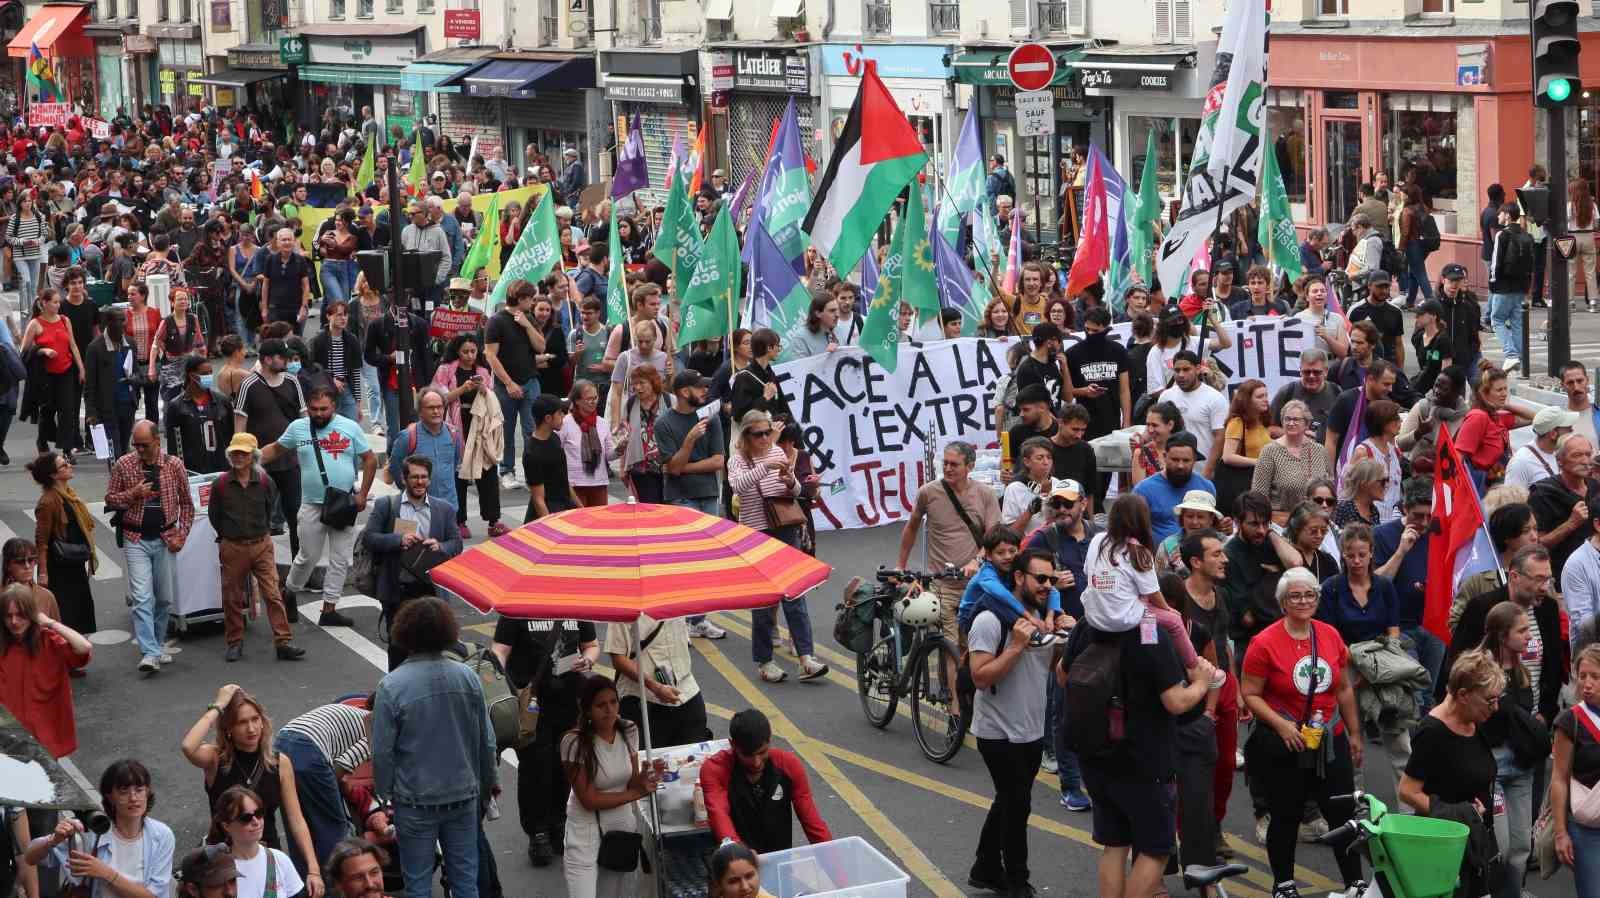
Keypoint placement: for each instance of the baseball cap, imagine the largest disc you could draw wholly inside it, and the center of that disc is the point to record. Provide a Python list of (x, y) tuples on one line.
[(1430, 307), (1066, 488), (364, 211), (1549, 418), (278, 347), (687, 378), (1378, 276), (719, 173), (209, 865), (1185, 438), (1222, 265), (547, 404), (1455, 271), (1198, 500), (243, 442)]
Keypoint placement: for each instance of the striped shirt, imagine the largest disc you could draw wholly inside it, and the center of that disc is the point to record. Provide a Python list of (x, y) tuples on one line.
[(336, 355), (27, 237), (754, 483), (338, 731)]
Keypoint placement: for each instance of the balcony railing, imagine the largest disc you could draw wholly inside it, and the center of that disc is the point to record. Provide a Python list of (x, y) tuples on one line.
[(944, 18), (549, 30), (875, 18)]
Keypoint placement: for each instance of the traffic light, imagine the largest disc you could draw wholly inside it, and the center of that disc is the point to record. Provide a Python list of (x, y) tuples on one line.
[(1554, 36)]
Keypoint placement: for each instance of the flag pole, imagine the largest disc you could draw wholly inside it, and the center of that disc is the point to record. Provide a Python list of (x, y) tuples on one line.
[(987, 264), (1205, 320)]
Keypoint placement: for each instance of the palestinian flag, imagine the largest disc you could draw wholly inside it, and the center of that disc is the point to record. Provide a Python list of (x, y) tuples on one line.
[(873, 160)]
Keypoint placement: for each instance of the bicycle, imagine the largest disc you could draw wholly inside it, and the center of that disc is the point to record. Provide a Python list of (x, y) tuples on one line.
[(909, 657), (1412, 857)]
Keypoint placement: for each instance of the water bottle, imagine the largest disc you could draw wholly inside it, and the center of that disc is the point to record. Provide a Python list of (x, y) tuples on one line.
[(1311, 733), (493, 810), (533, 703), (701, 818)]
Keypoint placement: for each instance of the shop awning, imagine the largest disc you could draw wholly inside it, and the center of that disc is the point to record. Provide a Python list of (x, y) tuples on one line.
[(427, 77), (238, 77), (56, 30), (352, 74), (990, 68), (524, 78)]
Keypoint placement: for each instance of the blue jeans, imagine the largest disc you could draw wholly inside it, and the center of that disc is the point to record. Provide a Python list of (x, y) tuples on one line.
[(1514, 831), (150, 585), (27, 284), (1055, 724), (1505, 314), (369, 394), (1416, 274), (345, 403), (454, 828), (1429, 652), (1586, 855), (338, 275), (795, 612), (321, 803), (514, 409)]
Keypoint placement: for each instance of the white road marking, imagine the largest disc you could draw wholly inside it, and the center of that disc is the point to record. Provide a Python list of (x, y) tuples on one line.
[(77, 776), (352, 639)]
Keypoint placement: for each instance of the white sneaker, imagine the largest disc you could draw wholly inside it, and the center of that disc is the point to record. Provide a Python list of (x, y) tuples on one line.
[(509, 482), (1261, 828), (149, 664), (166, 658), (1312, 830), (1511, 364), (772, 673), (1238, 760), (707, 630), (811, 668)]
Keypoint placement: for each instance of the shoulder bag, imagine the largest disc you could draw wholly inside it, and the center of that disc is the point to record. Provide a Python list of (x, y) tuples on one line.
[(1585, 800), (619, 850), (783, 511), (338, 506)]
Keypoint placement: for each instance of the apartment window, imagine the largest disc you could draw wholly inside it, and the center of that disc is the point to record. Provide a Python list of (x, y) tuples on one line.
[(394, 6), (186, 10), (944, 18), (424, 5), (109, 12), (651, 15), (1439, 6), (875, 17), (1062, 16), (161, 10), (132, 9), (1174, 22), (335, 9), (549, 21), (1332, 8), (364, 9)]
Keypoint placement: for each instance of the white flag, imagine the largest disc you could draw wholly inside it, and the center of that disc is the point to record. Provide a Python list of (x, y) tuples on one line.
[(1242, 53)]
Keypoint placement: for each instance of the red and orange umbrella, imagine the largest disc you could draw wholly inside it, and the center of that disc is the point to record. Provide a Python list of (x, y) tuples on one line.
[(620, 561)]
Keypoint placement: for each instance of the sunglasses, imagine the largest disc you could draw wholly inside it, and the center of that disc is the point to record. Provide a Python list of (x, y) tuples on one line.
[(248, 817), (758, 434), (1326, 500), (1060, 504), (1042, 579)]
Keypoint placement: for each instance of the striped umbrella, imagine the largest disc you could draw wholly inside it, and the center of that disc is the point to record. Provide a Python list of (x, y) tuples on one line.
[(616, 562)]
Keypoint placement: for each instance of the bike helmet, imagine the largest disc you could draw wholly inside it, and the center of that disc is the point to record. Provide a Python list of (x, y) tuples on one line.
[(918, 609)]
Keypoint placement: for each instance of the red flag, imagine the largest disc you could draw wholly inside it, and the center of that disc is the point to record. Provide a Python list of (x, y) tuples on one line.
[(1457, 518), (1093, 255)]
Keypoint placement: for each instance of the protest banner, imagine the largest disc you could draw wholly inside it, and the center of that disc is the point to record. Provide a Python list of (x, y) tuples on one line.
[(446, 323), (49, 115), (99, 129), (867, 429)]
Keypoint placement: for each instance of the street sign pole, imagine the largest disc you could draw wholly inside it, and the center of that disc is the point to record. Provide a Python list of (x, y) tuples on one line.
[(1560, 345), (1032, 68)]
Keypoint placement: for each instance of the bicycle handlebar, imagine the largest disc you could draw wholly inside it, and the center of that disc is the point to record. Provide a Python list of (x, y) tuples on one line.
[(894, 575)]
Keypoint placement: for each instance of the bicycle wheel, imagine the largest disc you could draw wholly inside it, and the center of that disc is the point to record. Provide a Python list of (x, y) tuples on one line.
[(935, 710), (875, 681)]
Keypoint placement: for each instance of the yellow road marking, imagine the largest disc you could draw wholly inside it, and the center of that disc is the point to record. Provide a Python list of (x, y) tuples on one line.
[(816, 755), (1240, 844)]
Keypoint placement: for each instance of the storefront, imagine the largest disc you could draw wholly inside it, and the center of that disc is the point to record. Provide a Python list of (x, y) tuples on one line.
[(117, 48), (179, 63), (662, 89), (1036, 164), (353, 66), (918, 76), (548, 104), (1451, 109), (763, 79), (57, 30), (253, 78)]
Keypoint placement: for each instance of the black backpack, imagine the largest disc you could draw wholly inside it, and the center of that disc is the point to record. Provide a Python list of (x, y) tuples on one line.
[(1429, 234), (1094, 699), (1391, 260), (1517, 264)]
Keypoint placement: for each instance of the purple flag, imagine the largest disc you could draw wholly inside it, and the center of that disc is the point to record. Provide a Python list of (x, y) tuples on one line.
[(631, 171), (741, 196)]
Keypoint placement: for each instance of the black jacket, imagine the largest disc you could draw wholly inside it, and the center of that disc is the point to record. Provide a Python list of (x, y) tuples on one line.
[(383, 339), (747, 390), (198, 435), (101, 376), (1460, 324), (322, 350), (1546, 616)]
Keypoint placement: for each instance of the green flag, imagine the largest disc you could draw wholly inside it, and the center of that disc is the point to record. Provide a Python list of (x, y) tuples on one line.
[(536, 254), (487, 243), (1146, 212), (708, 297), (918, 286), (1276, 231), (616, 276), (678, 244), (880, 333), (365, 173), (418, 176)]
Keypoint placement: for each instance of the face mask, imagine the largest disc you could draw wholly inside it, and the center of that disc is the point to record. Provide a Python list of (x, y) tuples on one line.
[(293, 368), (206, 380)]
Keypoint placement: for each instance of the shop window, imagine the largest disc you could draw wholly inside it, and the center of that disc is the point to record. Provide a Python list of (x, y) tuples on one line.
[(1589, 139), (1175, 139), (335, 9), (1419, 143), (1286, 125)]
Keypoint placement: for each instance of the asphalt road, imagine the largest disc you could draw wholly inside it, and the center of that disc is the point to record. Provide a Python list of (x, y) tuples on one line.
[(874, 783)]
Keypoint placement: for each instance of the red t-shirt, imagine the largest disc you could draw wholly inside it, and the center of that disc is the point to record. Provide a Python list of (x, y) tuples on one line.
[(1484, 438), (1284, 663), (35, 689)]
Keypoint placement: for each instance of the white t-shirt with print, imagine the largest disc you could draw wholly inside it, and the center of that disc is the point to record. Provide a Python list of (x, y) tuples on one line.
[(1111, 598), (253, 874)]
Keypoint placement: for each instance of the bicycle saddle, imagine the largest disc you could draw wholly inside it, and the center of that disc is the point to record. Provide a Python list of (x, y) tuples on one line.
[(1196, 876)]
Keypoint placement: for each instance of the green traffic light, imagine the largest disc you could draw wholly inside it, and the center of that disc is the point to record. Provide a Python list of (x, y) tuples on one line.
[(1559, 90)]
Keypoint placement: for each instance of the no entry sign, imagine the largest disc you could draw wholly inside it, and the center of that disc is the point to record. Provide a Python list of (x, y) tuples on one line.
[(1032, 67)]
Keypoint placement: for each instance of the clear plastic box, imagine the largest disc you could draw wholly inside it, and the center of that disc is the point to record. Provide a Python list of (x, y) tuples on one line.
[(842, 868)]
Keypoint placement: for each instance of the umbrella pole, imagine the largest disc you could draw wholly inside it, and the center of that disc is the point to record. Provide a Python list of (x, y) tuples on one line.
[(644, 718)]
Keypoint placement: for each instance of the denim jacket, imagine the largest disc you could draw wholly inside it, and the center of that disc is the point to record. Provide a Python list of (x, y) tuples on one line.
[(432, 743), (158, 847)]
